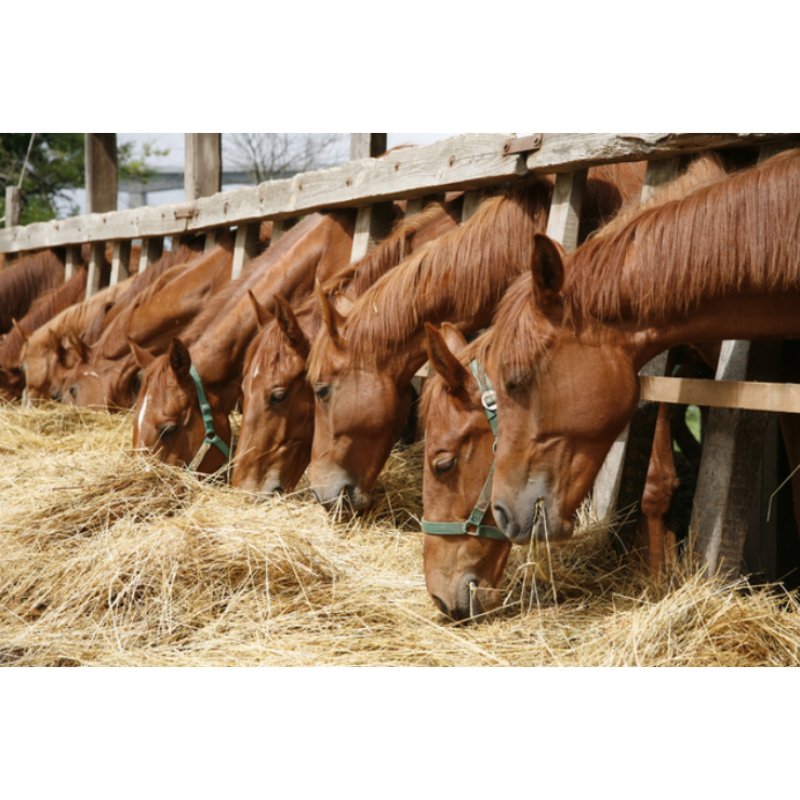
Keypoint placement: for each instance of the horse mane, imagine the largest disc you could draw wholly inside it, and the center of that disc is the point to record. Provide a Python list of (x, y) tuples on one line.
[(732, 233), (23, 281), (43, 308), (703, 244), (498, 237)]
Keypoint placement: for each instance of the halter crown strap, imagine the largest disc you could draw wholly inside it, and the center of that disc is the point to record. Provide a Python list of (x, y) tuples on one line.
[(212, 438), (474, 526)]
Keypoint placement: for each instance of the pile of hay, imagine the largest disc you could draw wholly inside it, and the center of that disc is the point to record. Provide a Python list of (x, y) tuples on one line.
[(111, 559)]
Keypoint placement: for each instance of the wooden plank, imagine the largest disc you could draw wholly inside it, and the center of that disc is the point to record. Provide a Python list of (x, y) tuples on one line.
[(751, 395), (120, 262), (13, 206), (152, 250), (472, 201), (244, 248), (202, 174), (733, 450), (73, 257), (211, 241), (460, 162), (563, 152), (565, 208), (93, 277), (101, 172), (277, 231)]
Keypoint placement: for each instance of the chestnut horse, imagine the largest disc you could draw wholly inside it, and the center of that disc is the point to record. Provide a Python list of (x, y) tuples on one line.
[(274, 445), (106, 375), (24, 281), (462, 569), (361, 365), (570, 337), (182, 409)]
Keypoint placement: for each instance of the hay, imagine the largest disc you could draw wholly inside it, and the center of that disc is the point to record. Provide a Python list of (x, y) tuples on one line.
[(111, 559)]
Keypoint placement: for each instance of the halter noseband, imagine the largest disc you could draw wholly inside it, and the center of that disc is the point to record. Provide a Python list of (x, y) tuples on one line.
[(474, 524), (212, 438)]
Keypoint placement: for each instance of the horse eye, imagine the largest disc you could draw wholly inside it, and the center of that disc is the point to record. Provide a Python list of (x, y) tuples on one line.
[(167, 430), (277, 396), (323, 391), (515, 383), (444, 465)]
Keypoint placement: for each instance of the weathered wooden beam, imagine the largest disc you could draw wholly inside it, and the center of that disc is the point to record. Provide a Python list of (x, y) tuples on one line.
[(94, 276), (460, 162), (564, 152), (564, 218), (244, 248), (733, 449), (120, 262), (751, 395), (152, 250), (13, 205), (101, 172), (202, 174)]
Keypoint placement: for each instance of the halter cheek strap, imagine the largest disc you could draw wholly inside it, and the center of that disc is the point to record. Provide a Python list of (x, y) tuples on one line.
[(212, 438), (474, 526)]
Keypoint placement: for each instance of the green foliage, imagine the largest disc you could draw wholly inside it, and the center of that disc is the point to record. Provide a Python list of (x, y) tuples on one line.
[(56, 168)]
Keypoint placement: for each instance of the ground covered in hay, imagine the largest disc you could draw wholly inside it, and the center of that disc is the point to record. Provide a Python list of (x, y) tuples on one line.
[(110, 559)]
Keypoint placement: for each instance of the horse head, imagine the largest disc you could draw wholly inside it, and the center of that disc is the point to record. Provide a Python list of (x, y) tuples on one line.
[(462, 570), (168, 419), (565, 391), (359, 413), (278, 406)]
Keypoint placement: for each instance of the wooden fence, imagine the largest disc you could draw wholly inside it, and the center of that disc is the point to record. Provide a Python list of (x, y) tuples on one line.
[(472, 162)]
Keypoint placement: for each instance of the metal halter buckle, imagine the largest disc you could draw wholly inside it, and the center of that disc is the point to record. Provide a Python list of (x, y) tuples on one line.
[(489, 400)]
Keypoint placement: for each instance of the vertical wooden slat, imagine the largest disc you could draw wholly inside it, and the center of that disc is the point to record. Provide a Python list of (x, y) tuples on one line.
[(244, 248), (472, 201), (565, 208), (120, 261), (413, 206), (13, 205), (152, 250), (370, 223), (211, 240), (637, 438), (203, 165), (101, 172), (278, 227), (72, 258), (93, 277)]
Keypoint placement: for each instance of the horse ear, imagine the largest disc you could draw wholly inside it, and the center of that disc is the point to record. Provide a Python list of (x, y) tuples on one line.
[(262, 312), (22, 332), (331, 318), (80, 347), (57, 346), (444, 360), (179, 359), (290, 326), (142, 357), (547, 268)]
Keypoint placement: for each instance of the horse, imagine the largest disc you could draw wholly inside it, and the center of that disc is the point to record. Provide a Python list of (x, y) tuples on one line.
[(24, 281), (274, 445), (570, 337), (187, 393), (464, 560), (43, 309), (106, 375), (362, 363)]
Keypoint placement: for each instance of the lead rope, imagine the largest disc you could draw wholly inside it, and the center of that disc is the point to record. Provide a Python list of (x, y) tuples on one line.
[(212, 438)]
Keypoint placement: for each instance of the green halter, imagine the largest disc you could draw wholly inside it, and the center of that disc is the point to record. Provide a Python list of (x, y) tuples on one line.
[(474, 524), (212, 438)]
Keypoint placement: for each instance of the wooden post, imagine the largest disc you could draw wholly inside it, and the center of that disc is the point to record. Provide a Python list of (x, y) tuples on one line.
[(472, 201), (638, 437), (72, 258), (13, 205), (152, 250), (371, 221), (203, 165), (211, 240), (101, 172), (733, 449), (278, 229), (565, 208), (94, 277), (244, 248), (120, 261)]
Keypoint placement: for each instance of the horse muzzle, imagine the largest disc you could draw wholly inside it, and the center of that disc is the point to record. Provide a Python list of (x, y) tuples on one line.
[(531, 514)]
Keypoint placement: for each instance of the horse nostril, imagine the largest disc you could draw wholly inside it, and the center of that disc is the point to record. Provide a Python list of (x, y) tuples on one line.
[(73, 390), (501, 516), (441, 606)]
